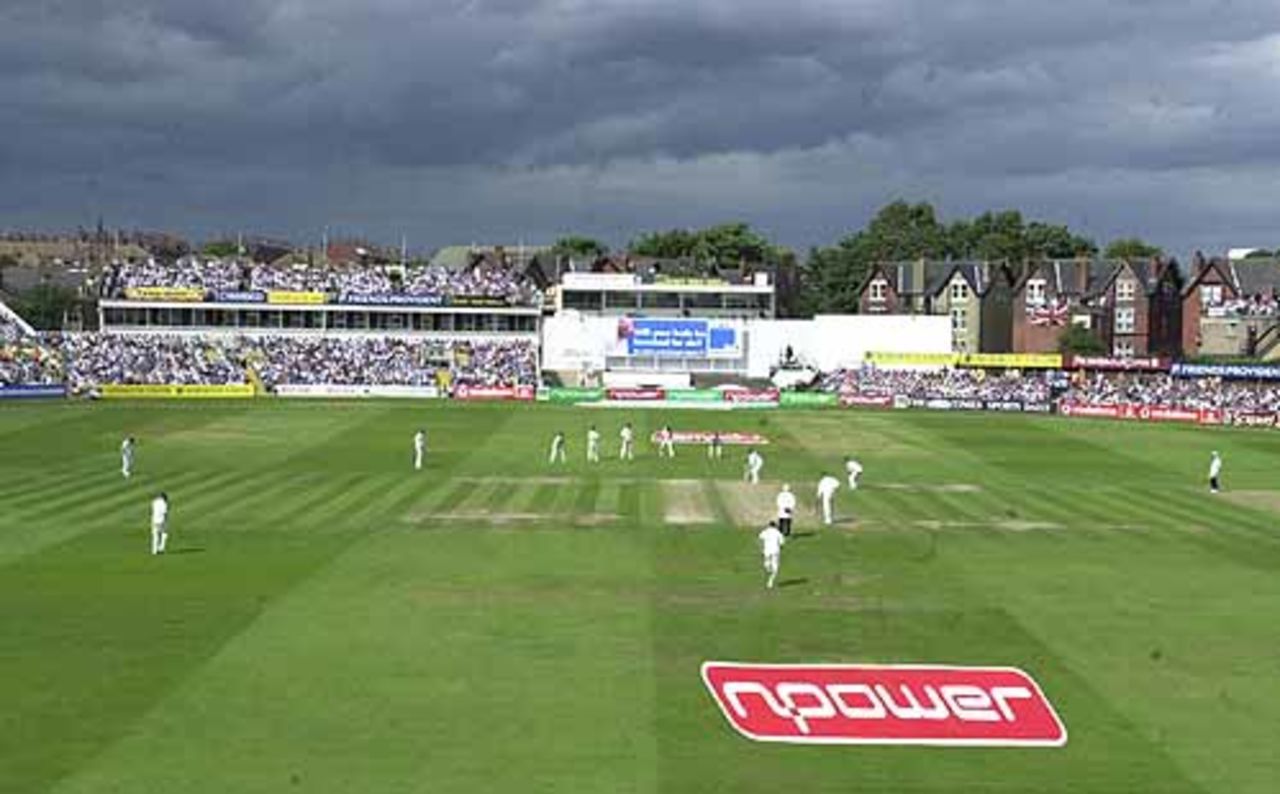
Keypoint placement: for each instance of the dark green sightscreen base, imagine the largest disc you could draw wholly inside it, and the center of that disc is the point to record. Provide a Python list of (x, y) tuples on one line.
[(330, 621)]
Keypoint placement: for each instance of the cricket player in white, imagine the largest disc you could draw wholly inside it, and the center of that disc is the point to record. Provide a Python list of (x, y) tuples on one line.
[(755, 462), (593, 445), (854, 468), (666, 442), (786, 502), (628, 437), (771, 543), (1215, 471), (126, 457), (827, 488), (419, 448), (557, 449), (159, 523), (715, 448)]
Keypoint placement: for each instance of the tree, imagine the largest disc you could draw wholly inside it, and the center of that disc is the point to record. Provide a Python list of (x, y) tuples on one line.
[(1260, 253), (899, 231), (725, 245), (1079, 340), (220, 249), (575, 247), (44, 305), (1131, 248)]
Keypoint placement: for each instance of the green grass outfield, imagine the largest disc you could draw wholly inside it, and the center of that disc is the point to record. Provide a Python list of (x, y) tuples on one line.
[(328, 621)]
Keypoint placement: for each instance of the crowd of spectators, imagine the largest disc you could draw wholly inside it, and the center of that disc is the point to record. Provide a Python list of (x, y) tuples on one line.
[(1260, 305), (96, 359), (25, 360), (954, 384), (1167, 391), (214, 275), (93, 360)]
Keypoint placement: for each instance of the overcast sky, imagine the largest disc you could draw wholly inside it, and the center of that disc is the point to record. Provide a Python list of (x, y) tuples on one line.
[(456, 121)]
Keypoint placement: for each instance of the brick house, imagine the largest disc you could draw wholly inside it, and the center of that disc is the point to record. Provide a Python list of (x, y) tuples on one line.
[(958, 290), (1231, 308), (1133, 307)]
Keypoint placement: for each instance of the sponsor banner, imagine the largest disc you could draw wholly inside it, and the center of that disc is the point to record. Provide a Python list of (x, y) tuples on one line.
[(1038, 408), (690, 281), (1145, 364), (865, 401), (570, 394), (656, 336), (1144, 413), (514, 393), (972, 360), (635, 395), (1235, 418), (1009, 406), (911, 359), (743, 397), (694, 396), (600, 281), (21, 390), (1012, 360), (702, 437), (1227, 371), (195, 391), (296, 297), (933, 705), (390, 299), (241, 296), (808, 399), (351, 390), (477, 302), (182, 294)]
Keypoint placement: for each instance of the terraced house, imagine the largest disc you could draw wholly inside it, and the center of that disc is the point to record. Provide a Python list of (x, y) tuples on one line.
[(1133, 307), (1232, 307), (975, 295)]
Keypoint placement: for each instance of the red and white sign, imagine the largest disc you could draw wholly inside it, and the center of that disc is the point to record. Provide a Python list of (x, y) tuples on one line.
[(848, 400), (884, 704), (701, 437), (1143, 413), (1146, 364), (521, 393), (1246, 419), (636, 395), (751, 397)]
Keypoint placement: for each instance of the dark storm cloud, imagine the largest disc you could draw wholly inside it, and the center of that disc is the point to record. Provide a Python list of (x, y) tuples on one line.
[(500, 118)]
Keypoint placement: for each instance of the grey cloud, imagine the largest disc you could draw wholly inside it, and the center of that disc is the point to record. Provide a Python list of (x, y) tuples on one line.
[(611, 116)]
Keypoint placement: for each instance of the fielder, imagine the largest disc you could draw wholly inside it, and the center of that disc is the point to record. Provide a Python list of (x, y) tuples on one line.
[(1215, 472), (419, 449), (854, 469), (786, 502), (159, 523), (666, 442), (827, 488), (557, 449), (628, 436), (771, 543), (126, 457), (715, 448), (593, 445), (755, 462)]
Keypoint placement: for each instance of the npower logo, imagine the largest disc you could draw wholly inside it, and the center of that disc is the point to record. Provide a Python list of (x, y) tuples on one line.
[(884, 704)]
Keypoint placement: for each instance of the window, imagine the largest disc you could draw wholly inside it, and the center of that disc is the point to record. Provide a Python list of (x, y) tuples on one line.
[(959, 321), (1211, 294), (1123, 348), (1125, 290), (1035, 292), (879, 288), (959, 291), (1124, 321)]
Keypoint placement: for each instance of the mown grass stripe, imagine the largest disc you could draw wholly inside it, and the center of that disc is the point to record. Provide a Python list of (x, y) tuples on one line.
[(588, 493), (337, 503), (55, 485), (100, 499)]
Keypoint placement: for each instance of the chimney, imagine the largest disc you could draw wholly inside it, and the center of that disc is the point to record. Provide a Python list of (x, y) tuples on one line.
[(1082, 275), (917, 275)]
